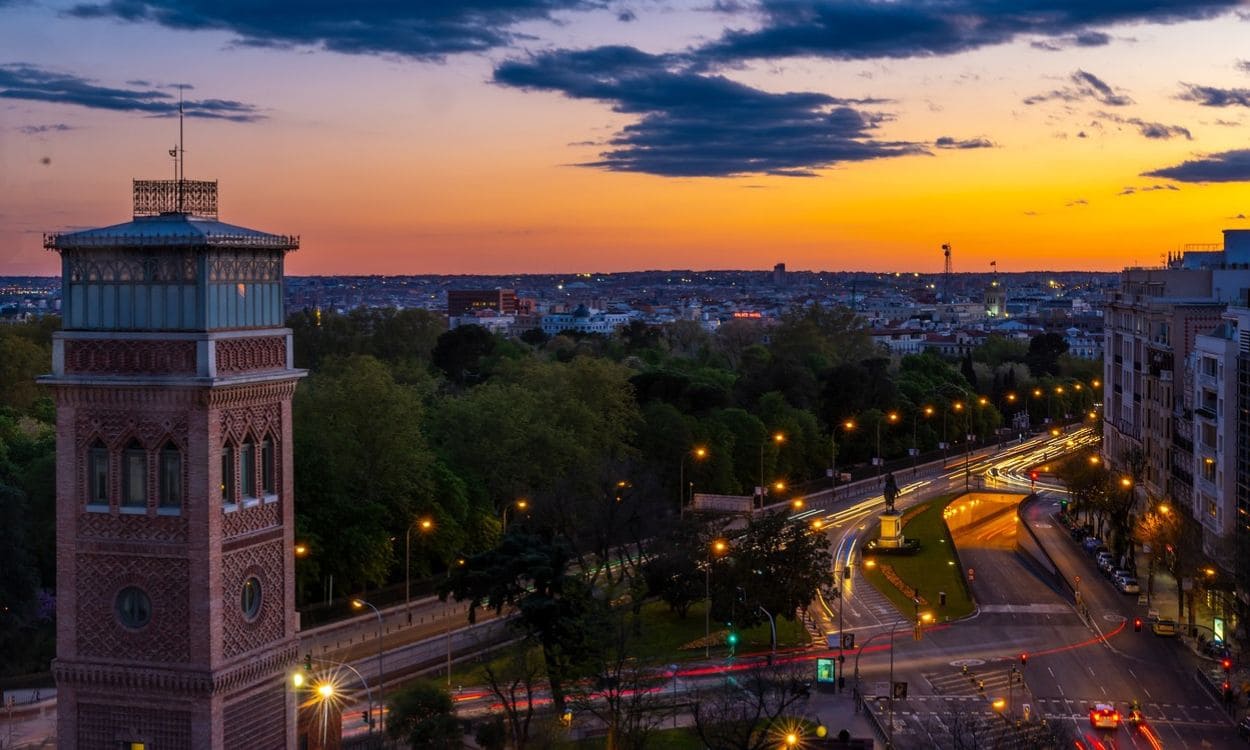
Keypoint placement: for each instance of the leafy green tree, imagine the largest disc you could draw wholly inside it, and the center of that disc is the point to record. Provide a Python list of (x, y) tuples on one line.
[(21, 361), (422, 715), (776, 564), (557, 608), (673, 572), (1044, 352), (461, 352), (364, 469)]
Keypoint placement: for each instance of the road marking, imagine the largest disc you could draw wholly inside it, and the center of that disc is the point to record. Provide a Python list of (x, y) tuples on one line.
[(1052, 672)]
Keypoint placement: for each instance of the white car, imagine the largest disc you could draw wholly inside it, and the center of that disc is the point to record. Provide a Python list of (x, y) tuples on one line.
[(1128, 586)]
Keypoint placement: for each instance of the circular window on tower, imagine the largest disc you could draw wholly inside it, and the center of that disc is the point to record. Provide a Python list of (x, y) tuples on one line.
[(250, 599), (134, 608)]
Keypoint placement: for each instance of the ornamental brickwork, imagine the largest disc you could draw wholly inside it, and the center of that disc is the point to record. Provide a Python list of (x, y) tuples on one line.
[(129, 357), (249, 721), (99, 632), (265, 563), (101, 725), (255, 354)]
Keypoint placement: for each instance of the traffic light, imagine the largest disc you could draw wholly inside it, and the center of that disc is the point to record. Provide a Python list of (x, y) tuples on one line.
[(732, 639), (1033, 477), (308, 662), (1024, 660), (1136, 624), (1227, 664), (364, 718)]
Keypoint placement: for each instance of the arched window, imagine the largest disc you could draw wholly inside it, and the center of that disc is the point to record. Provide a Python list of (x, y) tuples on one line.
[(227, 475), (170, 477), (267, 467), (97, 474), (134, 476), (247, 469)]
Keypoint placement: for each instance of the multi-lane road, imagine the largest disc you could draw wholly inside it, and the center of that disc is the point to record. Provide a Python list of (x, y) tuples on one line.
[(1074, 662)]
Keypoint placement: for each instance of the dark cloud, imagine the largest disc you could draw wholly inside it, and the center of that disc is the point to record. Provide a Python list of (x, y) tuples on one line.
[(1085, 85), (1152, 130), (1147, 189), (626, 15), (696, 124), (59, 127), (427, 30), (1238, 217), (864, 29), (1083, 39), (1077, 202), (1210, 96), (948, 142), (31, 83), (1227, 166), (1243, 65)]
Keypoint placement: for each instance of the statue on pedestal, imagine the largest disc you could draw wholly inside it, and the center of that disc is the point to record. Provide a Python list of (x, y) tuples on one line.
[(890, 489)]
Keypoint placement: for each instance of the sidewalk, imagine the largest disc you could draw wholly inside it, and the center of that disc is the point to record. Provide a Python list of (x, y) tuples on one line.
[(836, 711)]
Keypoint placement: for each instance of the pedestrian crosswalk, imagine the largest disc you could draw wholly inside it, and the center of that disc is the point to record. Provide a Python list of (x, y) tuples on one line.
[(864, 597), (978, 682)]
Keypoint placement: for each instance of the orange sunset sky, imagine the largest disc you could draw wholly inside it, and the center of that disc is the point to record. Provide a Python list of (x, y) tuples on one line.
[(548, 136)]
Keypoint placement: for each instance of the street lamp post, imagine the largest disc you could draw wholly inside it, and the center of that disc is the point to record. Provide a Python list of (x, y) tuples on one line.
[(717, 547), (893, 417), (915, 444), (833, 458), (889, 743), (778, 438), (700, 453), (520, 504), (360, 604), (298, 680), (426, 525)]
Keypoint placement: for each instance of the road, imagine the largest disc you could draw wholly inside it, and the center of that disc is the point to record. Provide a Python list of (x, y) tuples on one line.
[(1072, 663)]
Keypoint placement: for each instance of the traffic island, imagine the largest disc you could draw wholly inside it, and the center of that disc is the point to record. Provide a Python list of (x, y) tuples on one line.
[(929, 573)]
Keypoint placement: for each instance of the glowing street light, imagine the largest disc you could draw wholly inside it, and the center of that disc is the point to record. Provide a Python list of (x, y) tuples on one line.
[(297, 680), (426, 526), (717, 548), (325, 690), (699, 452)]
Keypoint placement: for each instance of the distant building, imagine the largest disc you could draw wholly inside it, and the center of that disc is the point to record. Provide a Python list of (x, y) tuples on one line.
[(779, 275), (584, 320), (470, 301)]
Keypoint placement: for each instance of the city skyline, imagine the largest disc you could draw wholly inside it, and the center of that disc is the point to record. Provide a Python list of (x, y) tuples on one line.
[(556, 137)]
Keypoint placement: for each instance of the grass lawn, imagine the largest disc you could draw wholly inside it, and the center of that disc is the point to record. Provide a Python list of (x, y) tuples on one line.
[(663, 635), (933, 569)]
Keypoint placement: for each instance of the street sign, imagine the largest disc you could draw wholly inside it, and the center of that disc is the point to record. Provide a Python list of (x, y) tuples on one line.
[(900, 691), (848, 640)]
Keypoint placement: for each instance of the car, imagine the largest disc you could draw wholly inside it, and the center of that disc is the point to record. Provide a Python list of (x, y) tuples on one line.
[(1120, 573), (1166, 628), (1243, 728), (1104, 716), (1092, 544), (1106, 565), (1128, 586)]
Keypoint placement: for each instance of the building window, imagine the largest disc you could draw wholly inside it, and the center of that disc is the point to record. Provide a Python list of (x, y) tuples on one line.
[(133, 608), (97, 474), (267, 467), (1213, 510), (227, 475), (1208, 469), (171, 477), (134, 476), (249, 601), (247, 469)]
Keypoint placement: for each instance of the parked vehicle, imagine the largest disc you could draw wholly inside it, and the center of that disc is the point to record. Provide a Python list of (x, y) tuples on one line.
[(1166, 628), (1093, 544), (1128, 586)]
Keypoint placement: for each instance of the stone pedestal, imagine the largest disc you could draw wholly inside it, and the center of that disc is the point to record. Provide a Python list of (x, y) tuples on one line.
[(891, 530)]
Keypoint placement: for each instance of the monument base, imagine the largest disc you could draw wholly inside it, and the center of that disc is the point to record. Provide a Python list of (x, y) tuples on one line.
[(891, 530)]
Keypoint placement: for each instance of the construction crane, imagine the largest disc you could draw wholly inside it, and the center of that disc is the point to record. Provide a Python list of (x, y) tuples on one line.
[(946, 274)]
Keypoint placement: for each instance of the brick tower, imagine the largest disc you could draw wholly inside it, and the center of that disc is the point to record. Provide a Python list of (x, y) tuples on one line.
[(173, 380)]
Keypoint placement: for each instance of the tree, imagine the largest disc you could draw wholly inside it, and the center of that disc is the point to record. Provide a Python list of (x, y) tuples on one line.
[(969, 372), (460, 353), (557, 609), (623, 693), (364, 469), (742, 712), (673, 573), (423, 716), (1044, 352), (776, 564), (21, 361), (514, 683)]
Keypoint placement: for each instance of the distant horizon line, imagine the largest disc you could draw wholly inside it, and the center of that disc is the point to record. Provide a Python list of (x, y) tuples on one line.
[(659, 270)]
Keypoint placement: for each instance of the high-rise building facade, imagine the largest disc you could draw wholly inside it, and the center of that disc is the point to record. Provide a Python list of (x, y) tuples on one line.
[(173, 380)]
